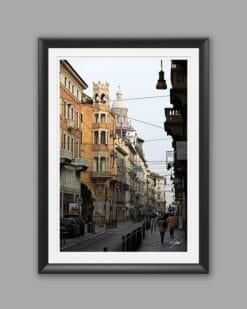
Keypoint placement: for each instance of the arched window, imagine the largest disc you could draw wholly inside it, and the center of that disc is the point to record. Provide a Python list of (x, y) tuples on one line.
[(95, 164), (103, 98), (96, 137), (97, 99), (102, 164), (103, 137)]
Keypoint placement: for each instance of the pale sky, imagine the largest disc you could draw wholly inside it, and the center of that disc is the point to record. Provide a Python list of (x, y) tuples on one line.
[(137, 77)]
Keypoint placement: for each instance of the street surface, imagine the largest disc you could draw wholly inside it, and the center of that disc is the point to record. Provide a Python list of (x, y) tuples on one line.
[(111, 240)]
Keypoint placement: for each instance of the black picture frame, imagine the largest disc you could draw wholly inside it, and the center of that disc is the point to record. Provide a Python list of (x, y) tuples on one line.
[(44, 267)]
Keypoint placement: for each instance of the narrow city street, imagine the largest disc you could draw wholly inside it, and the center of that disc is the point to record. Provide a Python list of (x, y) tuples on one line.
[(118, 167), (111, 240)]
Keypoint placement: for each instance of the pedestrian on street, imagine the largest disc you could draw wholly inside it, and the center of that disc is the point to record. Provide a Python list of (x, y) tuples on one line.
[(162, 228), (171, 222)]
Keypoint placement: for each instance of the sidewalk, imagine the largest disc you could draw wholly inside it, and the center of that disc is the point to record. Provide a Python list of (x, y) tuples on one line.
[(72, 241), (122, 228), (152, 241)]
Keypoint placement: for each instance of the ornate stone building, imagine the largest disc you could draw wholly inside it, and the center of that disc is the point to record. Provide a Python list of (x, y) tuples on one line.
[(120, 110), (103, 159)]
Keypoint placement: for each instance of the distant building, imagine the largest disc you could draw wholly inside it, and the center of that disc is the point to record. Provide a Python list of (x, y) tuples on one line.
[(104, 161), (121, 112)]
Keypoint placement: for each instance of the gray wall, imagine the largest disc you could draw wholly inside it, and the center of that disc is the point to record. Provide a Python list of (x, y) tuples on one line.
[(21, 23)]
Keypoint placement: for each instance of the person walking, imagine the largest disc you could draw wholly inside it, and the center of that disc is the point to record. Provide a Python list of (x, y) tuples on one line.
[(162, 228), (171, 223)]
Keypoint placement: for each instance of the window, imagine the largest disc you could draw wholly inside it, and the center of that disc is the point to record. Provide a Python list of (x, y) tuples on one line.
[(103, 98), (73, 89), (81, 138), (77, 149), (64, 109), (64, 141), (68, 143), (118, 118), (103, 137), (96, 137), (68, 111), (69, 86), (103, 118), (77, 119), (96, 97), (65, 81), (81, 117), (77, 93), (72, 147), (102, 164), (96, 117), (95, 164), (72, 114)]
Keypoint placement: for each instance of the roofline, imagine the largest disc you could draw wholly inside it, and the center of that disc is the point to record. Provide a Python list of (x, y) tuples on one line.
[(120, 149), (140, 139), (74, 71)]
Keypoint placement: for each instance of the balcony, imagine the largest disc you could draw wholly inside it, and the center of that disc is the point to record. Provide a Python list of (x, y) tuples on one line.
[(65, 155), (173, 116), (101, 175), (80, 164), (174, 122)]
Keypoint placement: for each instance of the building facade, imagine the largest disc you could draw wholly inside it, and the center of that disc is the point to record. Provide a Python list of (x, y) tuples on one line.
[(103, 171), (176, 127), (72, 163)]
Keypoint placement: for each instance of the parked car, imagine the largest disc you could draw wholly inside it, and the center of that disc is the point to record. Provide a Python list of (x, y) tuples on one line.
[(69, 228), (79, 221)]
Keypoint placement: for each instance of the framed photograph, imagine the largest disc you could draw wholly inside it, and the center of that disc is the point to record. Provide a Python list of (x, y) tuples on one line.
[(123, 156)]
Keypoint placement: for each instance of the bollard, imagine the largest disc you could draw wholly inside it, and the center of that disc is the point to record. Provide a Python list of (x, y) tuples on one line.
[(123, 243), (128, 242)]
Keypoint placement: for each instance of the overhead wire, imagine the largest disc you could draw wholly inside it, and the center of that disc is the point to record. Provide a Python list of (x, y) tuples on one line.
[(128, 117)]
